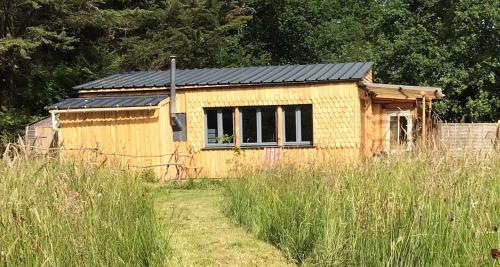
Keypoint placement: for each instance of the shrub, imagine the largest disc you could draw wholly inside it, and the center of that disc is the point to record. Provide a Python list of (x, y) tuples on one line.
[(74, 215), (407, 211)]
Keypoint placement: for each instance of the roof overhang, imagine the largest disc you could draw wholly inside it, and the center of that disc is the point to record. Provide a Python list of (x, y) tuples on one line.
[(401, 92), (84, 110), (99, 104)]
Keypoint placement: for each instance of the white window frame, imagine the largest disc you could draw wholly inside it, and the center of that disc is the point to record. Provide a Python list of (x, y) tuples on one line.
[(409, 119)]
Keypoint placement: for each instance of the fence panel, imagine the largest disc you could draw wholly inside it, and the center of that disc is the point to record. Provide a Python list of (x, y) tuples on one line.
[(468, 136)]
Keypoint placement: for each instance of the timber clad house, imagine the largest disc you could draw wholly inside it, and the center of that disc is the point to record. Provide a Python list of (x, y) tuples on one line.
[(186, 123)]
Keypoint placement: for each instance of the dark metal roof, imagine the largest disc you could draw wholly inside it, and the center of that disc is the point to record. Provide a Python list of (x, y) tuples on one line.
[(109, 102), (228, 76)]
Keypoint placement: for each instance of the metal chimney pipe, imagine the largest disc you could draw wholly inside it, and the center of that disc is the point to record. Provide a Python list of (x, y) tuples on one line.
[(174, 119), (173, 99)]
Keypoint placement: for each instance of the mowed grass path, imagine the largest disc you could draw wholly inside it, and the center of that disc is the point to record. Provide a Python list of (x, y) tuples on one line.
[(203, 236)]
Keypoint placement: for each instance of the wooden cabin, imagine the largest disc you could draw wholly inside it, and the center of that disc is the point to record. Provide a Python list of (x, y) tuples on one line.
[(203, 122)]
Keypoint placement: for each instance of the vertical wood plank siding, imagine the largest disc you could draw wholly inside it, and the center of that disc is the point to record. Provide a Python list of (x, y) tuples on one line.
[(136, 134)]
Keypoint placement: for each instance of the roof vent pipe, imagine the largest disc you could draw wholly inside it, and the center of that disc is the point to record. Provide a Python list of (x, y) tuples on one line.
[(174, 120)]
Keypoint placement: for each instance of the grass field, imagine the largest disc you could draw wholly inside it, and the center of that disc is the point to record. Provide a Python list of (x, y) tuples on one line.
[(415, 210), (56, 214), (203, 236)]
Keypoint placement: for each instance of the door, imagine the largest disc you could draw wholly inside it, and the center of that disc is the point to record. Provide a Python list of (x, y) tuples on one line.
[(398, 135)]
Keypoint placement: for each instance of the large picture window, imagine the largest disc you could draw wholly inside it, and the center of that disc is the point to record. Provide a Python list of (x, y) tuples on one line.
[(297, 125), (219, 127), (258, 126)]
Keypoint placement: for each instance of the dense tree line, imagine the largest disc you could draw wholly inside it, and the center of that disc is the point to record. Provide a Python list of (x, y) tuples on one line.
[(48, 46)]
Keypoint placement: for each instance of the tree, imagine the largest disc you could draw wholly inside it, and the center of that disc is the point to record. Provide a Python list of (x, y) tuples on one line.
[(48, 46), (449, 44)]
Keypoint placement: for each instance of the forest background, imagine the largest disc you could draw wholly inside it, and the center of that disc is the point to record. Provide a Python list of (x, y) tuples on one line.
[(49, 46)]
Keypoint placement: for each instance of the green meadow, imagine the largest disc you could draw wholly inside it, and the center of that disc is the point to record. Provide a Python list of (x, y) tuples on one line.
[(410, 210), (413, 210), (71, 214)]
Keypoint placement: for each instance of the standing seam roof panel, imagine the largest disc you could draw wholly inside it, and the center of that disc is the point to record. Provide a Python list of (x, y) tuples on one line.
[(152, 76), (228, 76), (134, 102), (105, 102), (237, 73), (259, 76), (276, 75), (160, 80), (290, 73), (142, 79), (301, 71), (340, 73), (181, 78), (262, 72), (330, 72), (221, 77), (362, 70), (250, 72), (353, 70), (71, 102), (203, 75), (212, 75), (108, 102), (129, 79), (133, 80), (98, 83), (314, 69), (115, 81), (318, 73), (209, 74)]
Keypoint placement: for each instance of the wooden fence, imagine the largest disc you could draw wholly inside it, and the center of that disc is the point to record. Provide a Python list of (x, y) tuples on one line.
[(468, 136)]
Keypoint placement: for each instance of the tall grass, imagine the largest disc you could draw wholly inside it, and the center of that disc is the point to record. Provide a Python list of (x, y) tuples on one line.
[(409, 211), (74, 215)]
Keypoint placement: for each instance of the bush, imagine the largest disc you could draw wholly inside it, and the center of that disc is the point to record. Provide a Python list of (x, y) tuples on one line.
[(73, 215), (409, 211)]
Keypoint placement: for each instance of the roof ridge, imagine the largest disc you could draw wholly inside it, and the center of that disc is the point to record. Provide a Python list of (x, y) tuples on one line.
[(252, 66)]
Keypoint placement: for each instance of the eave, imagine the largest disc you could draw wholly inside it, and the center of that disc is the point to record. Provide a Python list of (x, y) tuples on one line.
[(401, 92)]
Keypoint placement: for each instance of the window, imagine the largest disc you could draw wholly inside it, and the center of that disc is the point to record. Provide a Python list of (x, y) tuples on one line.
[(258, 126), (219, 127), (297, 125), (399, 128)]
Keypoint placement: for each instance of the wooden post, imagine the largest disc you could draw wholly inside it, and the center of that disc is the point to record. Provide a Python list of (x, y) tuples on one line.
[(430, 111), (237, 140), (424, 126), (280, 125), (497, 139), (430, 117)]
